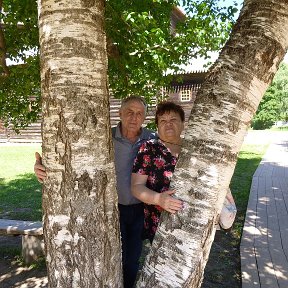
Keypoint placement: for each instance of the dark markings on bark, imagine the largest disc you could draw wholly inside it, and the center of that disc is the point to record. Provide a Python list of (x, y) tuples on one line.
[(87, 3), (193, 281), (204, 149), (200, 173), (85, 183), (186, 223), (46, 79), (151, 281), (219, 131), (72, 13), (199, 195), (93, 118), (157, 244), (234, 124), (102, 182), (219, 122), (191, 191), (173, 221), (82, 48), (192, 226), (218, 100), (81, 119), (174, 240)]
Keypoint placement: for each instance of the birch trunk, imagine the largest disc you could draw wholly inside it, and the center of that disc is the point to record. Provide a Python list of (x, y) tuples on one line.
[(217, 125), (81, 226)]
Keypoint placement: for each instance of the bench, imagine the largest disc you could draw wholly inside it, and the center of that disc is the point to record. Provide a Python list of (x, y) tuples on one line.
[(32, 237)]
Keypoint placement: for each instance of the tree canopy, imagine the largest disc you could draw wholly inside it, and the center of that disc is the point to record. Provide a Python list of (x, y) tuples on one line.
[(274, 105), (141, 46)]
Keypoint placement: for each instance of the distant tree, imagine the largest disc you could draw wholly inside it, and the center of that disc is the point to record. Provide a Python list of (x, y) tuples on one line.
[(281, 82), (141, 47), (19, 34), (267, 112), (274, 105)]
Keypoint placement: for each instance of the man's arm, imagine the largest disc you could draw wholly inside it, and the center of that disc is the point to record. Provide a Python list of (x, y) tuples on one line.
[(39, 169)]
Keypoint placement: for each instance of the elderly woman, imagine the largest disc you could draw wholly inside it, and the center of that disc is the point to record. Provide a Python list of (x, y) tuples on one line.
[(154, 166)]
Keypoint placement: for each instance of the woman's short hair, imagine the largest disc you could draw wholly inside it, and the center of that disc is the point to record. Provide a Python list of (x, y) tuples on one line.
[(168, 106)]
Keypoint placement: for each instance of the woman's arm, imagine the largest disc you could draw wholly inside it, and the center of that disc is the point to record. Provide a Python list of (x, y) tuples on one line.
[(146, 195)]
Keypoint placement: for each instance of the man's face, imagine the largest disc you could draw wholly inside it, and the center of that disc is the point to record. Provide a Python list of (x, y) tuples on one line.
[(132, 116)]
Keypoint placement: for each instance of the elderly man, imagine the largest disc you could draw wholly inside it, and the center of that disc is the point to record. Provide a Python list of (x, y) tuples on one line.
[(127, 137)]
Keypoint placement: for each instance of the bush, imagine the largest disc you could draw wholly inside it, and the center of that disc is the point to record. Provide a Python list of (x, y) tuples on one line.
[(263, 121)]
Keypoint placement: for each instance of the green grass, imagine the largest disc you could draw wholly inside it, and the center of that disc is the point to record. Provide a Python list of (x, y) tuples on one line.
[(20, 198), (248, 160), (20, 192)]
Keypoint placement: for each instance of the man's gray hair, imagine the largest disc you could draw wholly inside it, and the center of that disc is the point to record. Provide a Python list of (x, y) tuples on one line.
[(134, 98)]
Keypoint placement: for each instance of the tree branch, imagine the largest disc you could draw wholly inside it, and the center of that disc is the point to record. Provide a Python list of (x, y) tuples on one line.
[(3, 64)]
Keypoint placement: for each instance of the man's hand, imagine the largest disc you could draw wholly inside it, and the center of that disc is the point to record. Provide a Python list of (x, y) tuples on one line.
[(39, 169)]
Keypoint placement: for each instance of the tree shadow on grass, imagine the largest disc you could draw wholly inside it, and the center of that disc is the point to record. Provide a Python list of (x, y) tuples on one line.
[(21, 198), (13, 273)]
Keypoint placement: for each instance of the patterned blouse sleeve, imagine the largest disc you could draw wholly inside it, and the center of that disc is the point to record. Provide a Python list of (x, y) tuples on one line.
[(142, 162)]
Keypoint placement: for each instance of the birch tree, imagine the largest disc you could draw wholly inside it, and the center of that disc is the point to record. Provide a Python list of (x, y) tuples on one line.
[(217, 125), (80, 214), (81, 228)]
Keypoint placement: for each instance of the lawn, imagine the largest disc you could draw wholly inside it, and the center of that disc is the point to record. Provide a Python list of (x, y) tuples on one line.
[(20, 192), (20, 198), (248, 160)]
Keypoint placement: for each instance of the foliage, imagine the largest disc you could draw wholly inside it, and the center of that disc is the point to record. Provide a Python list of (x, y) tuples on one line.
[(19, 20), (274, 104), (281, 83), (141, 47), (147, 48), (267, 112)]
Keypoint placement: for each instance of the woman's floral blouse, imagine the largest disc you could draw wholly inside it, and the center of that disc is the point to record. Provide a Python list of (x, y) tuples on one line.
[(157, 162)]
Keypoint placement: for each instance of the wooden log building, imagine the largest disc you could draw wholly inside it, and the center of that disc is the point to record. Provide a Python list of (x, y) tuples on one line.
[(183, 93)]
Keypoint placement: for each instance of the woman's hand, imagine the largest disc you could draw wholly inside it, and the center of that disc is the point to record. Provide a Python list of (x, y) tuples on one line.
[(165, 199), (167, 202)]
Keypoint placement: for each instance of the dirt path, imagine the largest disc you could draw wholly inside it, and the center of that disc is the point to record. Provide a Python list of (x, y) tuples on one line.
[(12, 273)]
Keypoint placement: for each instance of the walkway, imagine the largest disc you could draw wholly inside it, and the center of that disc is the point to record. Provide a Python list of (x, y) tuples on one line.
[(264, 243)]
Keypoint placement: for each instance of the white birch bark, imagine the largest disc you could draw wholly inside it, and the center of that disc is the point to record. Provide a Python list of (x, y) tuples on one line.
[(81, 226), (217, 125)]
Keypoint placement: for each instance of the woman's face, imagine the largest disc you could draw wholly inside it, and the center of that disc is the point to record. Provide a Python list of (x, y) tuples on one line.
[(170, 126)]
